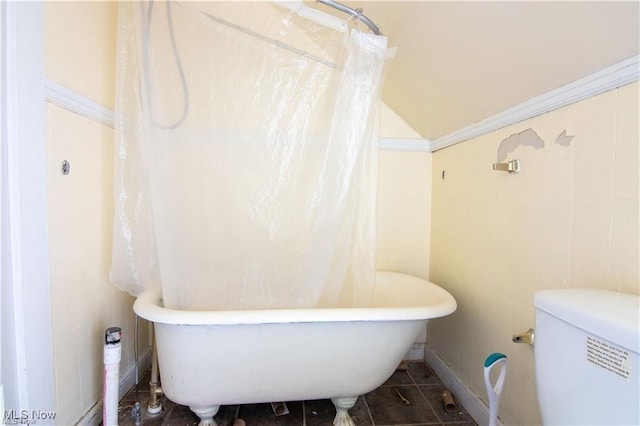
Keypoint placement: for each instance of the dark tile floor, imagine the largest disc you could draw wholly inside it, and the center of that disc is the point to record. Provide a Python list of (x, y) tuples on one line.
[(409, 397)]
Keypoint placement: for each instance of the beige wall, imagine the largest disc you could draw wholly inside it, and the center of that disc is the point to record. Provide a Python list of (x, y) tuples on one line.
[(569, 219), (404, 206), (404, 202), (84, 303), (80, 43)]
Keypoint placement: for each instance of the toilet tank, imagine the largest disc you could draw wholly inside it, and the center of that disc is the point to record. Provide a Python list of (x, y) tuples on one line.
[(586, 357)]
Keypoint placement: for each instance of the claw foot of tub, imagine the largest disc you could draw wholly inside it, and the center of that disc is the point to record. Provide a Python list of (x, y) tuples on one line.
[(342, 410), (206, 415)]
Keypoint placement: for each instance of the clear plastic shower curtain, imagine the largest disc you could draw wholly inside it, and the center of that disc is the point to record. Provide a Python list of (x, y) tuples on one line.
[(246, 157)]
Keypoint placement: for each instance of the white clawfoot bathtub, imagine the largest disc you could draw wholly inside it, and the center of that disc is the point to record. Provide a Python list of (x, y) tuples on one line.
[(209, 359)]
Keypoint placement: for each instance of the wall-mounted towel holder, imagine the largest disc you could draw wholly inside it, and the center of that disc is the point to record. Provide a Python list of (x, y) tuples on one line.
[(512, 166)]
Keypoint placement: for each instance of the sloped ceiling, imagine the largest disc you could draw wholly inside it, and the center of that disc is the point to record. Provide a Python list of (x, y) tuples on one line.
[(460, 62)]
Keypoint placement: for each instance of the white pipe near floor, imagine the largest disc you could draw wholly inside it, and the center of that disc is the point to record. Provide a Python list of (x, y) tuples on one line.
[(112, 355)]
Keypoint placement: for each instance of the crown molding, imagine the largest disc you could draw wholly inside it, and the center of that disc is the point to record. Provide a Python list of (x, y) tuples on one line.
[(399, 144), (609, 78), (73, 101), (617, 75)]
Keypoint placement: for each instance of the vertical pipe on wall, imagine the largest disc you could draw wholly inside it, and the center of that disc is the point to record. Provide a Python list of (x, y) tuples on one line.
[(112, 355), (155, 391)]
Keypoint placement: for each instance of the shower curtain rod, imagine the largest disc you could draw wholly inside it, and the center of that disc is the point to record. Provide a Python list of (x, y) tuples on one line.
[(356, 13), (269, 40)]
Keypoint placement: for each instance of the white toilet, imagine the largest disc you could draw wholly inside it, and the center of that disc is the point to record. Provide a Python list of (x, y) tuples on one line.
[(586, 356)]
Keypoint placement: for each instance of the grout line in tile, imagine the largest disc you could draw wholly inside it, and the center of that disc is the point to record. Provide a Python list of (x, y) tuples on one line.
[(235, 416), (410, 385), (304, 413), (429, 404), (411, 377), (366, 404), (167, 414)]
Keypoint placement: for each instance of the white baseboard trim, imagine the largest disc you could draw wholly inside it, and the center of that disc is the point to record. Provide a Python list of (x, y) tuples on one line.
[(416, 352), (616, 75), (469, 399), (93, 417)]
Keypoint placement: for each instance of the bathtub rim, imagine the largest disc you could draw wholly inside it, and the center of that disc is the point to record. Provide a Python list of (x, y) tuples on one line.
[(147, 306)]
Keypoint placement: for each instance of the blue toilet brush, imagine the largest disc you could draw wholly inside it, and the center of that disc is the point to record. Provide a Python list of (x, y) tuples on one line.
[(495, 390)]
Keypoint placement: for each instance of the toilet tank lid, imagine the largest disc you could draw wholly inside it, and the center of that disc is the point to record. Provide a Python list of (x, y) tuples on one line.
[(608, 314)]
